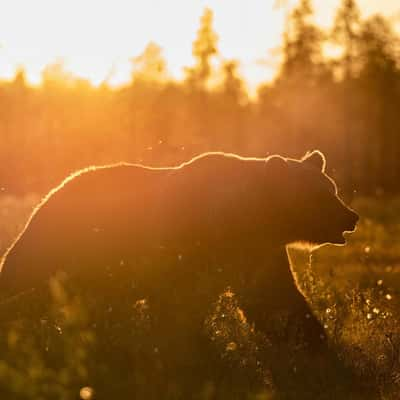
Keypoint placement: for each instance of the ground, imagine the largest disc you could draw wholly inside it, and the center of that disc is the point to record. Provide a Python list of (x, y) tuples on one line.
[(355, 291)]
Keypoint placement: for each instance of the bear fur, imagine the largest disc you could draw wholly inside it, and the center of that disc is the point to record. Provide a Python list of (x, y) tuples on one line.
[(179, 236), (220, 215)]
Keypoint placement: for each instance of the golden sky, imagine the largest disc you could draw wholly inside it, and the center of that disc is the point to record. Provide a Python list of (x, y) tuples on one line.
[(97, 38)]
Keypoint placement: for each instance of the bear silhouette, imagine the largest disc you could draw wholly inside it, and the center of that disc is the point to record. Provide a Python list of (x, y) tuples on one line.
[(179, 236), (231, 216)]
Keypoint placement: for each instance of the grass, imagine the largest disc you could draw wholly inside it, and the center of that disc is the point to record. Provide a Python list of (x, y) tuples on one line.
[(355, 291), (76, 347)]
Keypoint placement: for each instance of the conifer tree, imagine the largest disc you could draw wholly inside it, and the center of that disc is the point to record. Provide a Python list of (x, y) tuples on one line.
[(204, 48), (346, 33), (150, 66), (302, 44)]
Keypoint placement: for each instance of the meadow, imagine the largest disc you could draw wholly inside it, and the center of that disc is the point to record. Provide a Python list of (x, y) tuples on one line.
[(51, 352)]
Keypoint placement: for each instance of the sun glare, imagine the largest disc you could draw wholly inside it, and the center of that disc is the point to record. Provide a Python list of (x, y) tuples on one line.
[(98, 39)]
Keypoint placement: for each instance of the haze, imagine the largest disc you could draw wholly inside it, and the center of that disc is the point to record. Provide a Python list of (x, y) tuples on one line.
[(97, 39)]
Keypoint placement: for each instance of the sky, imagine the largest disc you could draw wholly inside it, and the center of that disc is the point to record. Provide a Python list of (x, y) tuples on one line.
[(96, 39)]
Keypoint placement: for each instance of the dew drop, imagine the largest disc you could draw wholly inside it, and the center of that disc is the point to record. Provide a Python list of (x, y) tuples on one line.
[(86, 393), (232, 346)]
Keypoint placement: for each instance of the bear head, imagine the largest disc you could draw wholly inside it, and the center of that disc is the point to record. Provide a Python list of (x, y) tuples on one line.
[(310, 210)]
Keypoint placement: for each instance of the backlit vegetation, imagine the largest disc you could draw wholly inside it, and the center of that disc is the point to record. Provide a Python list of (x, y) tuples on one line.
[(80, 342), (65, 344)]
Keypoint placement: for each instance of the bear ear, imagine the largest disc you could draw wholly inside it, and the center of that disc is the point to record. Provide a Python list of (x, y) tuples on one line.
[(315, 158)]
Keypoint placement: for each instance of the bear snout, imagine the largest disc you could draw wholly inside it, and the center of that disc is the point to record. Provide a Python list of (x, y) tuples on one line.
[(351, 220)]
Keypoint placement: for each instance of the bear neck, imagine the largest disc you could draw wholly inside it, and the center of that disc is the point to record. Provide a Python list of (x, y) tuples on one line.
[(269, 291), (270, 281)]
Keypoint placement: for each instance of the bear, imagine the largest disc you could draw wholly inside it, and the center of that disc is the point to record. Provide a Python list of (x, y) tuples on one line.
[(184, 234)]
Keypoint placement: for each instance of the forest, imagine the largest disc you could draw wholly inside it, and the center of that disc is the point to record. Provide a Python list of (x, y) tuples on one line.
[(337, 91)]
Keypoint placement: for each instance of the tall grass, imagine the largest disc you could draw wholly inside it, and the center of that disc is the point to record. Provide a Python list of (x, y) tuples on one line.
[(65, 343)]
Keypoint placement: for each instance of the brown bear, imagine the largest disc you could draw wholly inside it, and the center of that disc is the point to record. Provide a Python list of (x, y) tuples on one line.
[(229, 215), (179, 236)]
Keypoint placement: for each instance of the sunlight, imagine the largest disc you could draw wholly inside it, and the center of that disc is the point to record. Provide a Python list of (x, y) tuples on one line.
[(97, 40)]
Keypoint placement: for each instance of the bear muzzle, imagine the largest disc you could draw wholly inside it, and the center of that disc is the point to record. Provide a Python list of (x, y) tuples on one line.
[(337, 227), (348, 224), (351, 221)]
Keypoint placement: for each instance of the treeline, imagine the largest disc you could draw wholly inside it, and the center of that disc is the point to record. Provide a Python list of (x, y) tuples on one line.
[(347, 106)]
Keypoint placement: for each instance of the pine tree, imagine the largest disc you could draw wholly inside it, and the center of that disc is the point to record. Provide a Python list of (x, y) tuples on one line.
[(233, 87), (380, 79), (150, 66), (204, 48), (346, 33), (379, 48), (302, 44), (232, 108)]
